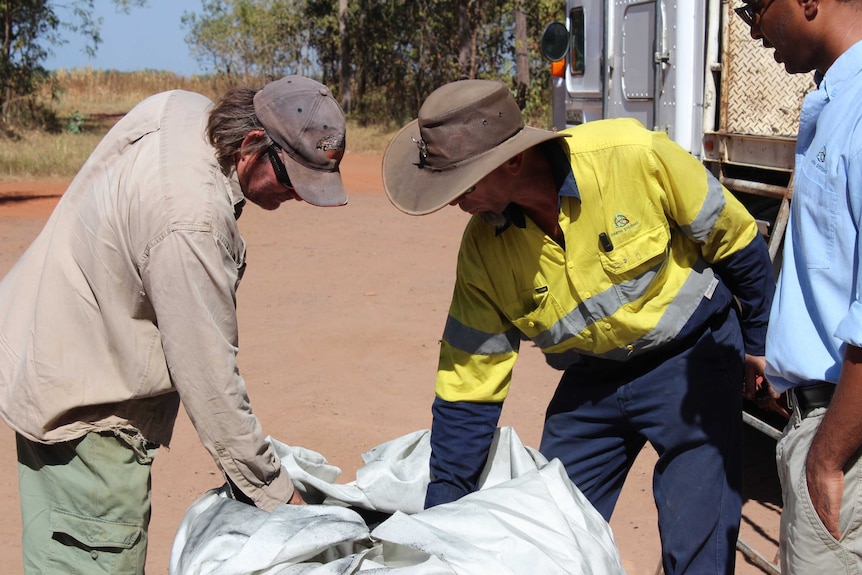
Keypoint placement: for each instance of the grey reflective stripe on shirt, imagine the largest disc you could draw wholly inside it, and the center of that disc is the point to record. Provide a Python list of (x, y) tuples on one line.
[(599, 306), (686, 301), (635, 289), (477, 342), (675, 316), (713, 204)]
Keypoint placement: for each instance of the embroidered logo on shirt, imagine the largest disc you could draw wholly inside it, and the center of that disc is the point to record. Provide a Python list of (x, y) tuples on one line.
[(623, 224), (819, 161)]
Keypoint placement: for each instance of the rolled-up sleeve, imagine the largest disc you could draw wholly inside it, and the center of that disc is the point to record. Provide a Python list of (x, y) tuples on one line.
[(190, 276)]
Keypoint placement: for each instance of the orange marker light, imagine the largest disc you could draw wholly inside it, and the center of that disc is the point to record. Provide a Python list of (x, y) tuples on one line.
[(558, 69)]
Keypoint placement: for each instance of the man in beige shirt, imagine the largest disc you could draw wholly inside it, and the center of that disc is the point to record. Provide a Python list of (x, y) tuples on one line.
[(125, 304)]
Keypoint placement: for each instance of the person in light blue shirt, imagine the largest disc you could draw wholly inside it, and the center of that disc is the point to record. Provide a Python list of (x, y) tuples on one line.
[(814, 341)]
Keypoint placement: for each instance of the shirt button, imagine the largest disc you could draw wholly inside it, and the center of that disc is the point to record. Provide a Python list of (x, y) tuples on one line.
[(607, 326), (94, 554), (531, 323), (570, 265)]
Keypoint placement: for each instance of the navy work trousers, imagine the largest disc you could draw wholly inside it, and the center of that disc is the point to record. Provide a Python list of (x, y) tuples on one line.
[(687, 402)]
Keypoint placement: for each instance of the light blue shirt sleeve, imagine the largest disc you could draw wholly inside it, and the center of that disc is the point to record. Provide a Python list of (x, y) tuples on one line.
[(850, 328)]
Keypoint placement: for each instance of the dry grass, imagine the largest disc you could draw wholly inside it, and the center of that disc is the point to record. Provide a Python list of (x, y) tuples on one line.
[(367, 139), (108, 92), (39, 155), (88, 102)]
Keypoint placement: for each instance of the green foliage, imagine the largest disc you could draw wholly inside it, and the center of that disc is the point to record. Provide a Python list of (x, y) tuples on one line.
[(381, 57), (75, 123), (249, 38), (391, 55), (100, 98), (29, 28)]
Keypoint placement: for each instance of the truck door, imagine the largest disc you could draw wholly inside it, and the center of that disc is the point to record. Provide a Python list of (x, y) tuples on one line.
[(642, 59), (641, 77)]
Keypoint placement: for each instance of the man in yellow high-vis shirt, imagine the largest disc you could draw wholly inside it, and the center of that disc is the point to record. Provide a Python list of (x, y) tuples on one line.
[(631, 268)]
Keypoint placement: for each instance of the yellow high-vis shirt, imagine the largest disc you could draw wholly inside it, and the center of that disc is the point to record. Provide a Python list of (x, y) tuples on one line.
[(642, 228)]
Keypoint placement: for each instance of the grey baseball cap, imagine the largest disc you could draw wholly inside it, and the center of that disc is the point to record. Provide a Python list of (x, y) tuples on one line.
[(306, 122)]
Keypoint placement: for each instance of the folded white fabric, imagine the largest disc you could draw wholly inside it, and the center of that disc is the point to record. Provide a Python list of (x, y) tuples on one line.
[(527, 518)]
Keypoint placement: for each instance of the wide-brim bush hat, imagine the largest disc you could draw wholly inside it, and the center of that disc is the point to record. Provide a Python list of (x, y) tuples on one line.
[(465, 130)]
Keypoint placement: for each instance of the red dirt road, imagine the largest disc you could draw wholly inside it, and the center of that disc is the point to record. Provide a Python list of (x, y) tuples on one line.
[(340, 314)]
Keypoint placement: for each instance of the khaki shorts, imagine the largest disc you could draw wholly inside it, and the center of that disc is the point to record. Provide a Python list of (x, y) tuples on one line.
[(85, 504), (805, 546)]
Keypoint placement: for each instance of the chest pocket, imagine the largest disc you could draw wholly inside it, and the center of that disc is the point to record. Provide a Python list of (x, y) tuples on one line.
[(631, 265), (637, 254), (814, 206)]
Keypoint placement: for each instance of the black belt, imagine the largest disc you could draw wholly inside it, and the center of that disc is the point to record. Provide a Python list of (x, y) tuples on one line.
[(810, 397)]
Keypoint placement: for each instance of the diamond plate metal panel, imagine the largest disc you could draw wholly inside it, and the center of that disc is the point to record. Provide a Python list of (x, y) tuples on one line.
[(758, 96)]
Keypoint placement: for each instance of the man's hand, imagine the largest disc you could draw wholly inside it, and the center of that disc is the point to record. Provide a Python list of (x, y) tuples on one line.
[(758, 389), (838, 438), (826, 488), (296, 498)]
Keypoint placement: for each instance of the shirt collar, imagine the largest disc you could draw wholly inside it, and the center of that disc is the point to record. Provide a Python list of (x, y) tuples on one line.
[(561, 167), (237, 199), (843, 69), (564, 179)]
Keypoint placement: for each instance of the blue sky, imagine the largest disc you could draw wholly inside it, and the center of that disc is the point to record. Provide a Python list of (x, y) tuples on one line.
[(151, 37)]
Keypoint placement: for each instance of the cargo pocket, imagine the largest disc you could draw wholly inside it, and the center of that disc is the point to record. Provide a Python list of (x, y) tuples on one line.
[(90, 546)]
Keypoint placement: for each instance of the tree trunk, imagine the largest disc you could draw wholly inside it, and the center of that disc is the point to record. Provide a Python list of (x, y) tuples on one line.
[(6, 65), (465, 51), (346, 95), (522, 59)]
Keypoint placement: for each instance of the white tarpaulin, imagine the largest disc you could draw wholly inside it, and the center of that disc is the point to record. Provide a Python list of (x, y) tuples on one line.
[(527, 518)]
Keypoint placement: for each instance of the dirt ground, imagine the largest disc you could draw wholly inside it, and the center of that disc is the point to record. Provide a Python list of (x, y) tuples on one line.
[(340, 315)]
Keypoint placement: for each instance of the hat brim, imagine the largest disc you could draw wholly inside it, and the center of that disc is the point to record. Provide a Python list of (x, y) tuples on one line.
[(419, 190), (317, 187)]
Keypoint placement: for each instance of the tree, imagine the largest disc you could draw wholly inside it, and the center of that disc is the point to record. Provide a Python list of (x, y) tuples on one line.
[(381, 57), (30, 27), (522, 60), (344, 38), (250, 38)]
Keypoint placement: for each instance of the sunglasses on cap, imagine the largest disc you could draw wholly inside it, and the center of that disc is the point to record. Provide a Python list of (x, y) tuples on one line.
[(749, 11), (278, 166)]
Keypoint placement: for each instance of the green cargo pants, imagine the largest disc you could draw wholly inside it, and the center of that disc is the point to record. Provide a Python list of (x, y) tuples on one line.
[(85, 504)]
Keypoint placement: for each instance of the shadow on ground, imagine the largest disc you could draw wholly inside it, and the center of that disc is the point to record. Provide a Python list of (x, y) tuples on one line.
[(23, 198)]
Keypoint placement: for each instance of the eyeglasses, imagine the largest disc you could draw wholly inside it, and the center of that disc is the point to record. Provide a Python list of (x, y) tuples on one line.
[(749, 11), (278, 166)]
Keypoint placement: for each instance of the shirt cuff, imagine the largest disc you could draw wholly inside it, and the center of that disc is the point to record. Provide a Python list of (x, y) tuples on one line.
[(279, 491), (754, 339)]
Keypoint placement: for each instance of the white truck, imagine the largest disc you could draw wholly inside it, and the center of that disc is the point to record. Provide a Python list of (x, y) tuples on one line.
[(690, 68)]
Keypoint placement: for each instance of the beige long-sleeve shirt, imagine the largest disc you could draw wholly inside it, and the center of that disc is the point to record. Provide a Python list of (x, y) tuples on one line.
[(125, 303)]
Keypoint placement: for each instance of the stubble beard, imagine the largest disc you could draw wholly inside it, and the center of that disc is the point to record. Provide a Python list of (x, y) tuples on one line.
[(493, 219)]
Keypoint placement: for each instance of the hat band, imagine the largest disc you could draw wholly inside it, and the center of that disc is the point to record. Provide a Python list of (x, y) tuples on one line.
[(448, 163)]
